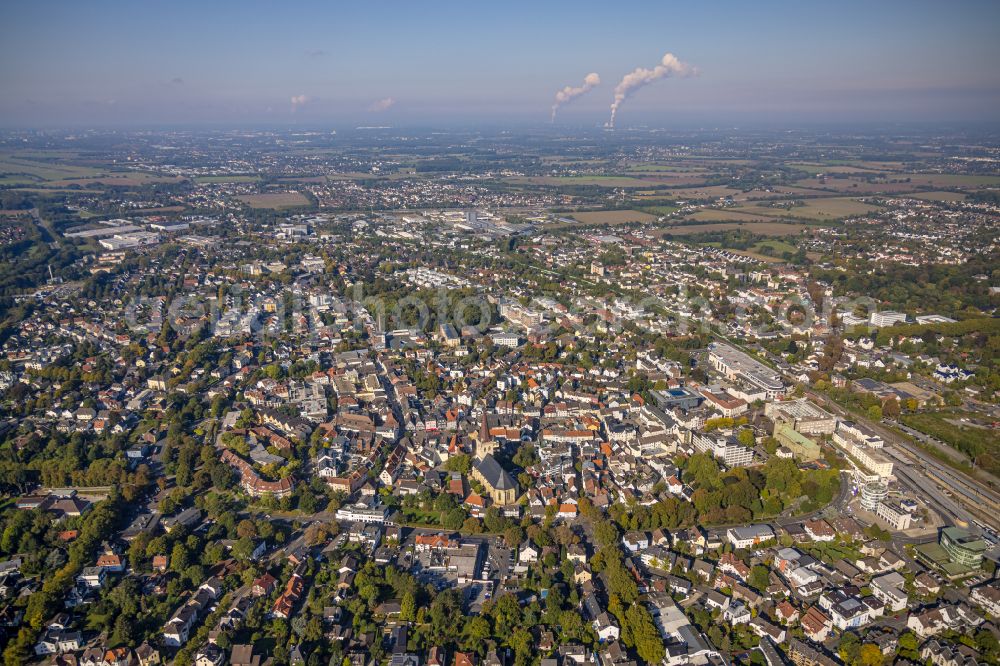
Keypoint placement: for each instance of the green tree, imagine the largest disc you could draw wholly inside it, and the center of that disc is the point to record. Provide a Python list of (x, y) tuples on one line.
[(759, 577), (606, 534), (408, 607), (645, 636), (461, 463), (522, 643), (870, 655), (704, 470), (477, 631), (454, 519), (243, 549), (124, 631), (179, 558), (849, 648)]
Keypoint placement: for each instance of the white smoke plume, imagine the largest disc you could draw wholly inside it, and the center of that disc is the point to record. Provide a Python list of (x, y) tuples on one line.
[(569, 92), (382, 104), (640, 76), (298, 101)]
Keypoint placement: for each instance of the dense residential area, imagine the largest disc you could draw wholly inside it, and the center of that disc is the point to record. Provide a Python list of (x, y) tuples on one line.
[(257, 409)]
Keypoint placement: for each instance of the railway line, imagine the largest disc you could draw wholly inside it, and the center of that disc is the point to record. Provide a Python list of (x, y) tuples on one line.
[(966, 498)]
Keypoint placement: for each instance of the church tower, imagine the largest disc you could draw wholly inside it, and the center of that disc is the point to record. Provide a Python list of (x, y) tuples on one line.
[(485, 444)]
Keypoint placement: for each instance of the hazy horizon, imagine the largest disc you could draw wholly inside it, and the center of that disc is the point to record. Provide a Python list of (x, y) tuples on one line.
[(315, 64)]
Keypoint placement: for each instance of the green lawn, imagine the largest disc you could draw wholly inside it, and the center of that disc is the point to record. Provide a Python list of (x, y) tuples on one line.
[(661, 210), (832, 551), (778, 247)]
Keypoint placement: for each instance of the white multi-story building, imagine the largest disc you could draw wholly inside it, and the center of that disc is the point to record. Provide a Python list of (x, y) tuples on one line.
[(886, 318), (892, 513), (863, 445), (362, 513), (872, 460), (988, 597), (872, 495), (726, 449), (506, 339), (845, 611), (889, 590), (850, 320), (749, 535), (860, 433)]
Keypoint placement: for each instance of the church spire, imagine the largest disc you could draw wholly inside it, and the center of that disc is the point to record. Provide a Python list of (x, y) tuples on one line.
[(484, 428)]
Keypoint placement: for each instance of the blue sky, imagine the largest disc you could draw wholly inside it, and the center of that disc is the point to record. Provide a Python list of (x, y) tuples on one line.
[(437, 62)]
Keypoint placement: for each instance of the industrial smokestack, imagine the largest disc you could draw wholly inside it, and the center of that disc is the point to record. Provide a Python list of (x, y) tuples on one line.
[(570, 93), (640, 76)]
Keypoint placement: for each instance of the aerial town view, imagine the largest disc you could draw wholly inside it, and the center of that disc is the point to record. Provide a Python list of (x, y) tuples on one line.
[(513, 334)]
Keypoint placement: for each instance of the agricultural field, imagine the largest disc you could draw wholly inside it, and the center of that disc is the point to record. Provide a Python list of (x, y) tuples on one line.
[(46, 175), (130, 179), (828, 209), (569, 161), (597, 180), (679, 179), (245, 178), (854, 186), (661, 210), (304, 179), (158, 211), (632, 179), (658, 168), (726, 215), (940, 196), (773, 248), (358, 175), (763, 228), (16, 170), (275, 200), (613, 217), (783, 192), (814, 169), (895, 182), (51, 190), (951, 180), (668, 173), (707, 192)]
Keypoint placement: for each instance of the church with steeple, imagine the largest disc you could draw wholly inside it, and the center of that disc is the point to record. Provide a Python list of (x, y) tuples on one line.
[(486, 444), (499, 484)]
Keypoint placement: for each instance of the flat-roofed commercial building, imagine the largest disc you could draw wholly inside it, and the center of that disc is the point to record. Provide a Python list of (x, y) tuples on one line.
[(801, 446), (803, 416), (895, 515), (134, 239), (739, 367), (962, 546)]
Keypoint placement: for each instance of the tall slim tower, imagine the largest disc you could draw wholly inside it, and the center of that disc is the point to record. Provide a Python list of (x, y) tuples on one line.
[(485, 444)]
